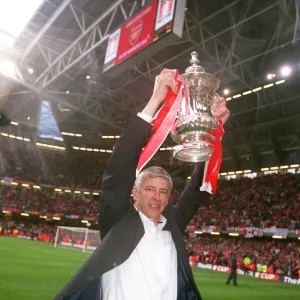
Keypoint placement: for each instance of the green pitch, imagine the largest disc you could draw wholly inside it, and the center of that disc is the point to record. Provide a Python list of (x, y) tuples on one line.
[(37, 271)]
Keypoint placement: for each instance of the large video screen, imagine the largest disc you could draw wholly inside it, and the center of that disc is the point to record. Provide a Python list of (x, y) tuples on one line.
[(149, 25), (47, 125)]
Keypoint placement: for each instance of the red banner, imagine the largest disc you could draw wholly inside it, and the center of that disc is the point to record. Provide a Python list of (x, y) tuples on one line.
[(56, 215), (212, 228), (93, 219), (74, 217), (137, 33), (224, 269), (251, 232), (34, 212), (11, 210), (267, 276)]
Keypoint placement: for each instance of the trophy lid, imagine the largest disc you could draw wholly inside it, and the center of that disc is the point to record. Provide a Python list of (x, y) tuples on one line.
[(194, 71), (195, 64)]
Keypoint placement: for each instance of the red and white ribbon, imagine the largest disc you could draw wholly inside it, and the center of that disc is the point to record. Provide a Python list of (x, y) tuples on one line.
[(163, 124), (212, 167)]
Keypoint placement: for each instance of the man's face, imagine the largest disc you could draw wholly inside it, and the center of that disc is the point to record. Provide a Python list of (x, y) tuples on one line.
[(151, 197)]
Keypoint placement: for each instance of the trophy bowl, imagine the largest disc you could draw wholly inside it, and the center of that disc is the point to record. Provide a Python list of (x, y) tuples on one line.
[(192, 130)]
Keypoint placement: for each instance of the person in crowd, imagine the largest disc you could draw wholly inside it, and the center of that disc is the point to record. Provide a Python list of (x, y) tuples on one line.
[(232, 276)]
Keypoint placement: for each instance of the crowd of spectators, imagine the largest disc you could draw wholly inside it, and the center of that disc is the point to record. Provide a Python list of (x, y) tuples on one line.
[(46, 201), (280, 257), (28, 230), (265, 201)]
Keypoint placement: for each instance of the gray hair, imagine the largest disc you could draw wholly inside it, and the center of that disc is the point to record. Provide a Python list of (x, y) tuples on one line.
[(154, 172)]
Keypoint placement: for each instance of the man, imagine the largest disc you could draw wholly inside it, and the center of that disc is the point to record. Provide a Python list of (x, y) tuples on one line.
[(142, 254), (232, 275)]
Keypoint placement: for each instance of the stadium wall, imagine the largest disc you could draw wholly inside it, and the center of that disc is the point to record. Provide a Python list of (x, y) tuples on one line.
[(265, 276)]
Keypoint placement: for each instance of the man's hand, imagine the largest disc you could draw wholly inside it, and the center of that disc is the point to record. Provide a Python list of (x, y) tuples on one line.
[(219, 109), (165, 80)]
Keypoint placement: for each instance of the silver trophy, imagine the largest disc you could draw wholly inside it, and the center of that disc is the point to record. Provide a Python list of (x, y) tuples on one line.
[(195, 122)]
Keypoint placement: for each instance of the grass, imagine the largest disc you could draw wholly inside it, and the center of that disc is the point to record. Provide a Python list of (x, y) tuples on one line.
[(37, 271)]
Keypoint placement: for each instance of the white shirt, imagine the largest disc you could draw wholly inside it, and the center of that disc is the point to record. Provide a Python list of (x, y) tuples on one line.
[(150, 273), (145, 117)]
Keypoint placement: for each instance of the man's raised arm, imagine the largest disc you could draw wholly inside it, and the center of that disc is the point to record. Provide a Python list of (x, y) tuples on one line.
[(119, 175), (191, 198)]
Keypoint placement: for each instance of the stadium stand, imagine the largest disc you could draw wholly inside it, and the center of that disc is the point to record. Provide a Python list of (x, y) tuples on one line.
[(266, 201), (25, 161), (45, 201)]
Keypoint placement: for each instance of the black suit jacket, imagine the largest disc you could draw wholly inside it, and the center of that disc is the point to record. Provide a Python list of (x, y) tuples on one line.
[(121, 228)]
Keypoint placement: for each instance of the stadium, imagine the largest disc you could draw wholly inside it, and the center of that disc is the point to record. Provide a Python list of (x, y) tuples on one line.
[(73, 73)]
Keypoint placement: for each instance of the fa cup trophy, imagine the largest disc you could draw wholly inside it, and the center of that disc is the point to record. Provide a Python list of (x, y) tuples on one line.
[(192, 130)]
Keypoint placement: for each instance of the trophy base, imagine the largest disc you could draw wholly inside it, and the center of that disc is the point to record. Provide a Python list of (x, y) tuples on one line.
[(192, 153)]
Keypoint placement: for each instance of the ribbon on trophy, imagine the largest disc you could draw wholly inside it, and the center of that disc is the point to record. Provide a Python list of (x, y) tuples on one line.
[(162, 126), (212, 167)]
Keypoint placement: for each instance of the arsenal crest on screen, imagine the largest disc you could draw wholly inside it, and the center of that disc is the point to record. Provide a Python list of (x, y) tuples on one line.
[(135, 32)]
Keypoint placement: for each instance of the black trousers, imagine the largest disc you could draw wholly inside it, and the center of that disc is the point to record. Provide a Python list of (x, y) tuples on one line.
[(232, 276)]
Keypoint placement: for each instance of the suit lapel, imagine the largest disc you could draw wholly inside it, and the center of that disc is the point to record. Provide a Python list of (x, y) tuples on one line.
[(172, 226), (140, 231), (128, 232), (167, 214)]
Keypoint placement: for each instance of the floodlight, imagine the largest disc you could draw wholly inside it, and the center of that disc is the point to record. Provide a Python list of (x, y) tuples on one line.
[(226, 92), (8, 67), (286, 71)]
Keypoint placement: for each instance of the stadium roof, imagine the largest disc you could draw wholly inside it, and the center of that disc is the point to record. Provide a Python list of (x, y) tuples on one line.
[(240, 41)]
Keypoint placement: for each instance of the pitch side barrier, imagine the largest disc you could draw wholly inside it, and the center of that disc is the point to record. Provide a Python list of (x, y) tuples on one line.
[(266, 276)]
